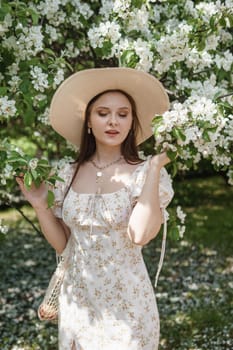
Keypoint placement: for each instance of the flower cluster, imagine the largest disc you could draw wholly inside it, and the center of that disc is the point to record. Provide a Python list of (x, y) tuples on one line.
[(39, 79), (195, 130), (34, 171)]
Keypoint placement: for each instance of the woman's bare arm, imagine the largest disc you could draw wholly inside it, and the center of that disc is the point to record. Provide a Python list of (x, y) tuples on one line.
[(54, 229), (146, 218)]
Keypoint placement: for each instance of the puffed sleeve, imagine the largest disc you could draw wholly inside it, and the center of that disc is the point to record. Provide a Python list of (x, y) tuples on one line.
[(166, 192), (60, 188), (165, 185)]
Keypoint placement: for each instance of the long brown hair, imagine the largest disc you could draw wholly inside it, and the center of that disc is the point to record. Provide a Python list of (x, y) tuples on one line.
[(88, 145)]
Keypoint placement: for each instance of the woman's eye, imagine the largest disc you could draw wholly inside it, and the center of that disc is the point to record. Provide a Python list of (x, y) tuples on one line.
[(102, 114), (123, 115)]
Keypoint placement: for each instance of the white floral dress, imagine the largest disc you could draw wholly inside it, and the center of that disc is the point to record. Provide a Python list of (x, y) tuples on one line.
[(106, 301)]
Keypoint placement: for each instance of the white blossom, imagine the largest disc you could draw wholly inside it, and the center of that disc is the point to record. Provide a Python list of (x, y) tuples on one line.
[(52, 32), (142, 49), (181, 229), (3, 228), (198, 60), (225, 61), (212, 42), (207, 10), (190, 9), (172, 48), (180, 214), (44, 117), (33, 163), (83, 8), (5, 24), (106, 8), (14, 83), (208, 88), (51, 10), (104, 32), (7, 107), (27, 44), (13, 69), (138, 20), (39, 79), (71, 50), (121, 7), (58, 78)]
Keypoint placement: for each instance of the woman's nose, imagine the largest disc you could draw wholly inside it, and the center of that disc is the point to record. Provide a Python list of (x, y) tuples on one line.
[(112, 119)]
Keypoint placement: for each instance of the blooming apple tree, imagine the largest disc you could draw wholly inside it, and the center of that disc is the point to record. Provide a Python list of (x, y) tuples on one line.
[(185, 44)]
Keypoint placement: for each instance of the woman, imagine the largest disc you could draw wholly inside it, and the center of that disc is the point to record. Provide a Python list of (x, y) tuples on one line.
[(110, 205)]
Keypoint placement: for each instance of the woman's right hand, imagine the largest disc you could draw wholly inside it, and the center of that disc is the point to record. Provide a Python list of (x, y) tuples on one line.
[(36, 196)]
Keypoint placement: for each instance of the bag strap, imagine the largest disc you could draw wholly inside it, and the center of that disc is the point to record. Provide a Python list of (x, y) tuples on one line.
[(163, 248)]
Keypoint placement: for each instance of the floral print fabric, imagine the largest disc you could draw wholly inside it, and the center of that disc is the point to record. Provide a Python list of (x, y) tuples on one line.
[(107, 301)]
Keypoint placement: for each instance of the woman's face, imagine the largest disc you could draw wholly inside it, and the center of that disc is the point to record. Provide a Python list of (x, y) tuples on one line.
[(111, 118)]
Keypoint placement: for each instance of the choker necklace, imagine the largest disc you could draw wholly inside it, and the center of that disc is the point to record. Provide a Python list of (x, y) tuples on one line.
[(99, 173)]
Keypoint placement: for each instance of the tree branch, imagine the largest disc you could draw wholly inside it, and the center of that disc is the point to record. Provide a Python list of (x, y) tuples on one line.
[(26, 218), (222, 96)]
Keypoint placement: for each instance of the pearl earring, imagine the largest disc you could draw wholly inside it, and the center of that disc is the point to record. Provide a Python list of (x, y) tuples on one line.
[(89, 130)]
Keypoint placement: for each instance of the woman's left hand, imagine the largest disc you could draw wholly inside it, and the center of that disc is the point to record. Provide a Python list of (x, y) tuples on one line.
[(160, 160)]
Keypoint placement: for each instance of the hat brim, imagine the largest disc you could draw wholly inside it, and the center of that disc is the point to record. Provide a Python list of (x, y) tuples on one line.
[(68, 106)]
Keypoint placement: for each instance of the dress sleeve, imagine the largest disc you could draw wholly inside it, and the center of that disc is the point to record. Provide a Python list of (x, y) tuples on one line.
[(166, 192), (60, 188), (165, 185)]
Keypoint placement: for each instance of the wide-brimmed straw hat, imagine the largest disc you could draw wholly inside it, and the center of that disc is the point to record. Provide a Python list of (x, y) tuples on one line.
[(68, 106)]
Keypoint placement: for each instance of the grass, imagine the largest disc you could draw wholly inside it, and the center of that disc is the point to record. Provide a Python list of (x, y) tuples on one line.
[(195, 289)]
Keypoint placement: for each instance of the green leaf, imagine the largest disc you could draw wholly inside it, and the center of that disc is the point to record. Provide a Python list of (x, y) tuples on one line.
[(3, 91), (14, 159), (222, 21), (171, 154), (174, 169), (34, 174), (202, 44), (129, 58), (50, 199), (178, 134), (56, 178), (27, 180), (174, 233), (157, 119), (205, 136), (137, 3), (34, 15), (230, 17), (50, 52), (37, 182), (43, 163), (212, 22)]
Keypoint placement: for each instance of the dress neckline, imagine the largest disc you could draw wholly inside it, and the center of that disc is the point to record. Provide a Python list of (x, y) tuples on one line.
[(139, 167)]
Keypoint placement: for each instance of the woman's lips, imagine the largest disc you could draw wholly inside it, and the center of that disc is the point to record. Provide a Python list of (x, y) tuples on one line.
[(112, 132)]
